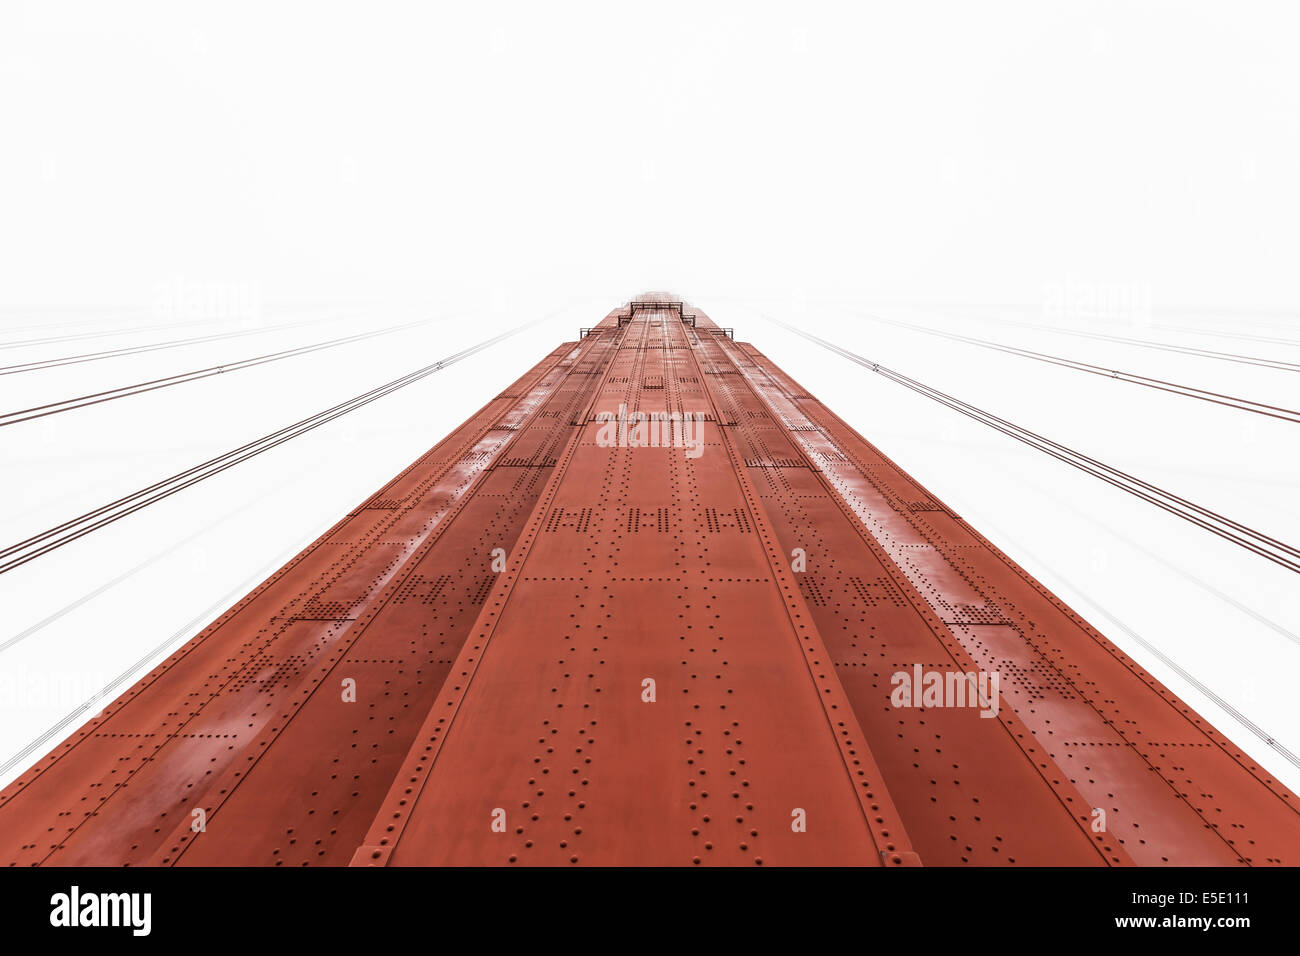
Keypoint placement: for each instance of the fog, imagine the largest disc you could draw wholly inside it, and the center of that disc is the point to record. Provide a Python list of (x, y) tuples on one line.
[(301, 172)]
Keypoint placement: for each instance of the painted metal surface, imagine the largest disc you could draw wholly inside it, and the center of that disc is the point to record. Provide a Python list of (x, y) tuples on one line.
[(649, 606)]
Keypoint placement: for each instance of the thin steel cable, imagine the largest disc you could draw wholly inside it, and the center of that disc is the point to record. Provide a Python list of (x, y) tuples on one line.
[(106, 334), (1174, 388), (1141, 343), (1257, 542), (83, 357), (1268, 739), (1146, 552), (105, 696), (125, 391), (1234, 357), (1244, 336), (66, 532)]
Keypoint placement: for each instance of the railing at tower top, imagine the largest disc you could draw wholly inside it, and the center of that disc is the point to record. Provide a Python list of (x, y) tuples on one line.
[(649, 306), (688, 318), (655, 306)]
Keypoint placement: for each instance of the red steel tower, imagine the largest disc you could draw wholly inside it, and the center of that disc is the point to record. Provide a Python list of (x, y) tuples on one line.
[(653, 604)]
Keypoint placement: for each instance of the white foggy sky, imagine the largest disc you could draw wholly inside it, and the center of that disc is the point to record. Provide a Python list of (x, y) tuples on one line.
[(523, 157), (927, 150)]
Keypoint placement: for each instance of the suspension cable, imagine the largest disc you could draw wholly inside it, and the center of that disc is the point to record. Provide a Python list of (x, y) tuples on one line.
[(1257, 542), (64, 533), (1175, 388), (125, 391), (78, 359)]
